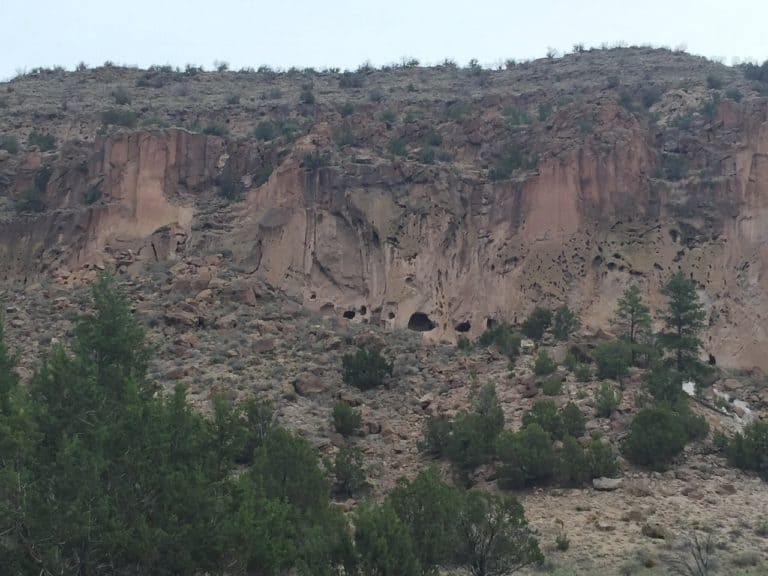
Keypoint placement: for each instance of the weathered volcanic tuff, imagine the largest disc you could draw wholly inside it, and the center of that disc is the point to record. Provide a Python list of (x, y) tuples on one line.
[(354, 214)]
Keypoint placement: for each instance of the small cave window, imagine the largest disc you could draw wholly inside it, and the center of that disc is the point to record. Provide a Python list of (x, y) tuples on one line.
[(349, 314), (490, 323), (363, 310), (463, 326), (420, 322), (391, 315), (712, 360)]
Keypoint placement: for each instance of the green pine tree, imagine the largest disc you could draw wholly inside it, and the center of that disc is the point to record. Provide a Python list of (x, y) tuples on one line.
[(684, 319), (633, 318)]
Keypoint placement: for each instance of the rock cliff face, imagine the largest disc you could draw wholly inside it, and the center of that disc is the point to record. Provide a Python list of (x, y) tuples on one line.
[(601, 194)]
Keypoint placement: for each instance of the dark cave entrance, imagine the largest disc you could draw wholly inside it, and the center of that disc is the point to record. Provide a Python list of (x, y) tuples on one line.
[(463, 326), (420, 322)]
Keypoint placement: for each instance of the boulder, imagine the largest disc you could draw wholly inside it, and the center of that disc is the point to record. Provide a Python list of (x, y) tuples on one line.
[(307, 384), (606, 484), (655, 530)]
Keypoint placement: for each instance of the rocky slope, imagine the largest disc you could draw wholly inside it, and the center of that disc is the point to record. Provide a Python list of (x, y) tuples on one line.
[(265, 224), (436, 198)]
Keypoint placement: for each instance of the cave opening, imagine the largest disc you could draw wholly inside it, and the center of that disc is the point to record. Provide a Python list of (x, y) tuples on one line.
[(349, 314), (420, 322), (463, 326), (712, 360), (490, 323)]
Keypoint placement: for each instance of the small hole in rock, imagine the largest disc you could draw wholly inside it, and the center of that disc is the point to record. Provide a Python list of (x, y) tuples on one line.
[(349, 314), (363, 310), (391, 315), (463, 326), (490, 323)]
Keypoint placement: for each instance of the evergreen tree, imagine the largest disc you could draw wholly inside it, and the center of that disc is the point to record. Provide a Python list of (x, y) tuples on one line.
[(633, 317), (494, 537), (429, 508), (684, 319), (565, 322), (383, 544)]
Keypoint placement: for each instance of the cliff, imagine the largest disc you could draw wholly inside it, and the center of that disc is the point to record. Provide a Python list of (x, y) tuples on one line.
[(435, 199)]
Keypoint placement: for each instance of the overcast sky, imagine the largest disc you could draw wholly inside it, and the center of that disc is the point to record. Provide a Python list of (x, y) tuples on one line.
[(345, 33)]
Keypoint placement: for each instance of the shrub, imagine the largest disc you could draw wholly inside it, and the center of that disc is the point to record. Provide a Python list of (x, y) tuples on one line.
[(307, 96), (346, 109), (9, 143), (572, 420), (437, 435), (383, 544), (656, 436), (511, 160), (429, 508), (351, 80), (543, 364), (433, 138), (674, 167), (565, 322), (613, 359), (316, 159), (527, 457), (602, 460), (734, 94), (696, 426), (537, 323), (121, 95), (265, 130), (502, 336), (457, 111), (346, 420), (470, 443), (397, 147), (427, 155), (366, 368), (749, 450), (344, 136), (348, 472), (571, 362), (683, 121), (649, 95), (606, 400), (216, 129), (233, 99), (544, 414), (572, 468), (44, 142), (119, 117), (494, 537), (229, 186), (583, 373), (714, 82), (463, 343), (552, 386), (376, 95), (31, 201), (472, 440), (388, 117), (545, 111)]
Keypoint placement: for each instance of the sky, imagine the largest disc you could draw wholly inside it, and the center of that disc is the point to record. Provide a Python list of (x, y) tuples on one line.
[(346, 33)]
